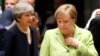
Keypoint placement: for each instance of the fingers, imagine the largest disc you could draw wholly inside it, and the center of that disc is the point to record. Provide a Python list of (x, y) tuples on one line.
[(71, 42)]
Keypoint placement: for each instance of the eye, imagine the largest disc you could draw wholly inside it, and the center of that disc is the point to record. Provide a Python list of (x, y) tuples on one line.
[(12, 3), (26, 15), (33, 14), (58, 21), (65, 21)]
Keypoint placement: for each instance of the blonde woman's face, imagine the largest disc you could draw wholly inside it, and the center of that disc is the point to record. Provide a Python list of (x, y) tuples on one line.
[(65, 23)]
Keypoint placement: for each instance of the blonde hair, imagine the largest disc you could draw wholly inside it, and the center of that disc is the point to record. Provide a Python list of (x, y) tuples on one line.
[(67, 9)]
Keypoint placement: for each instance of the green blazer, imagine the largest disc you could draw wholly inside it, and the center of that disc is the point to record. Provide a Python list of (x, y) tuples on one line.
[(53, 44)]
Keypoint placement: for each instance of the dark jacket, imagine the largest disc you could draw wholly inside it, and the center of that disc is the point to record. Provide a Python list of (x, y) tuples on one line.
[(95, 30), (6, 18), (16, 44)]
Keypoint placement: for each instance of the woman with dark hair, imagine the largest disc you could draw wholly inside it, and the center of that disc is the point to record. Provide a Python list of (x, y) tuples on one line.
[(21, 39)]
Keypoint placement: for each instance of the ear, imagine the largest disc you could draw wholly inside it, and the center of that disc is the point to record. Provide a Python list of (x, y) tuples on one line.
[(18, 18), (74, 20)]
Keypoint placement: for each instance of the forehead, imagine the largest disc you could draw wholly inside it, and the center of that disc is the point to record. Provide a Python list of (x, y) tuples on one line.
[(31, 0), (98, 12), (64, 18), (28, 13), (63, 15), (13, 1)]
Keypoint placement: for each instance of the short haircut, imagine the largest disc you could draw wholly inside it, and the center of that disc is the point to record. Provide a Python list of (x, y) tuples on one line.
[(67, 9), (22, 7)]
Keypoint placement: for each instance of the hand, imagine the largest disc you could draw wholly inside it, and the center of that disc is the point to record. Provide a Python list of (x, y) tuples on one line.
[(72, 42), (35, 22)]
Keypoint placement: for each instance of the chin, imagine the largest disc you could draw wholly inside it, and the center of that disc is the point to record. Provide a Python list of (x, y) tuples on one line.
[(64, 32)]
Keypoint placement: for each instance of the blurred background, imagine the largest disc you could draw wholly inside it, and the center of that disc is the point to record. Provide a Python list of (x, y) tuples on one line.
[(46, 8)]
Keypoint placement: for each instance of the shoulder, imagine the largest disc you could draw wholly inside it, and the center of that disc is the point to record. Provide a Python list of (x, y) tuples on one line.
[(83, 34), (8, 35), (82, 31), (95, 23), (11, 31), (85, 31), (52, 31), (96, 20)]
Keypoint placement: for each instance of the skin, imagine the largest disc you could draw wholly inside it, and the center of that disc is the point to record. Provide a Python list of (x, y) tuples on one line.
[(35, 22), (98, 13), (32, 2), (25, 20), (65, 24), (10, 3)]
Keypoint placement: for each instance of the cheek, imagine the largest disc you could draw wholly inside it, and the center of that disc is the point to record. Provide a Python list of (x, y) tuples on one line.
[(66, 27), (23, 21)]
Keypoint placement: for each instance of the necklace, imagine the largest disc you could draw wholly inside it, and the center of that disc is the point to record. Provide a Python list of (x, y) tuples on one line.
[(27, 32), (20, 28)]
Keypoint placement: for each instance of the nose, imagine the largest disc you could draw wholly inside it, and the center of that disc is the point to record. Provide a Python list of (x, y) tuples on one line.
[(62, 24), (31, 17), (8, 6)]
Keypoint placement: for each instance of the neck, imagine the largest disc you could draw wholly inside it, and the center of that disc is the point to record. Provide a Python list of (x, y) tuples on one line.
[(70, 34), (22, 28)]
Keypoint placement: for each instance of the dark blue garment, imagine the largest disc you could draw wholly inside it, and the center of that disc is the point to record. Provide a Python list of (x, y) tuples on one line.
[(16, 44), (2, 31), (2, 53), (6, 18)]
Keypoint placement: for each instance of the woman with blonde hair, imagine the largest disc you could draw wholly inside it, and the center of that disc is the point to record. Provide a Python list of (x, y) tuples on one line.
[(67, 39)]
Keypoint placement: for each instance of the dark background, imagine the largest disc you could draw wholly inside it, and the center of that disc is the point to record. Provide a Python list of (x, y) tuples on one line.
[(84, 7), (45, 8)]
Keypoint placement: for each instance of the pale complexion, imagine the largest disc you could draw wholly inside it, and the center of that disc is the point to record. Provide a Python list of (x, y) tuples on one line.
[(24, 21), (10, 3), (66, 26), (32, 2)]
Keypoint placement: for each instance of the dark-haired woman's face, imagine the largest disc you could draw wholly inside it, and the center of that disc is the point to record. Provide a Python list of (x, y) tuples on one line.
[(26, 18)]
